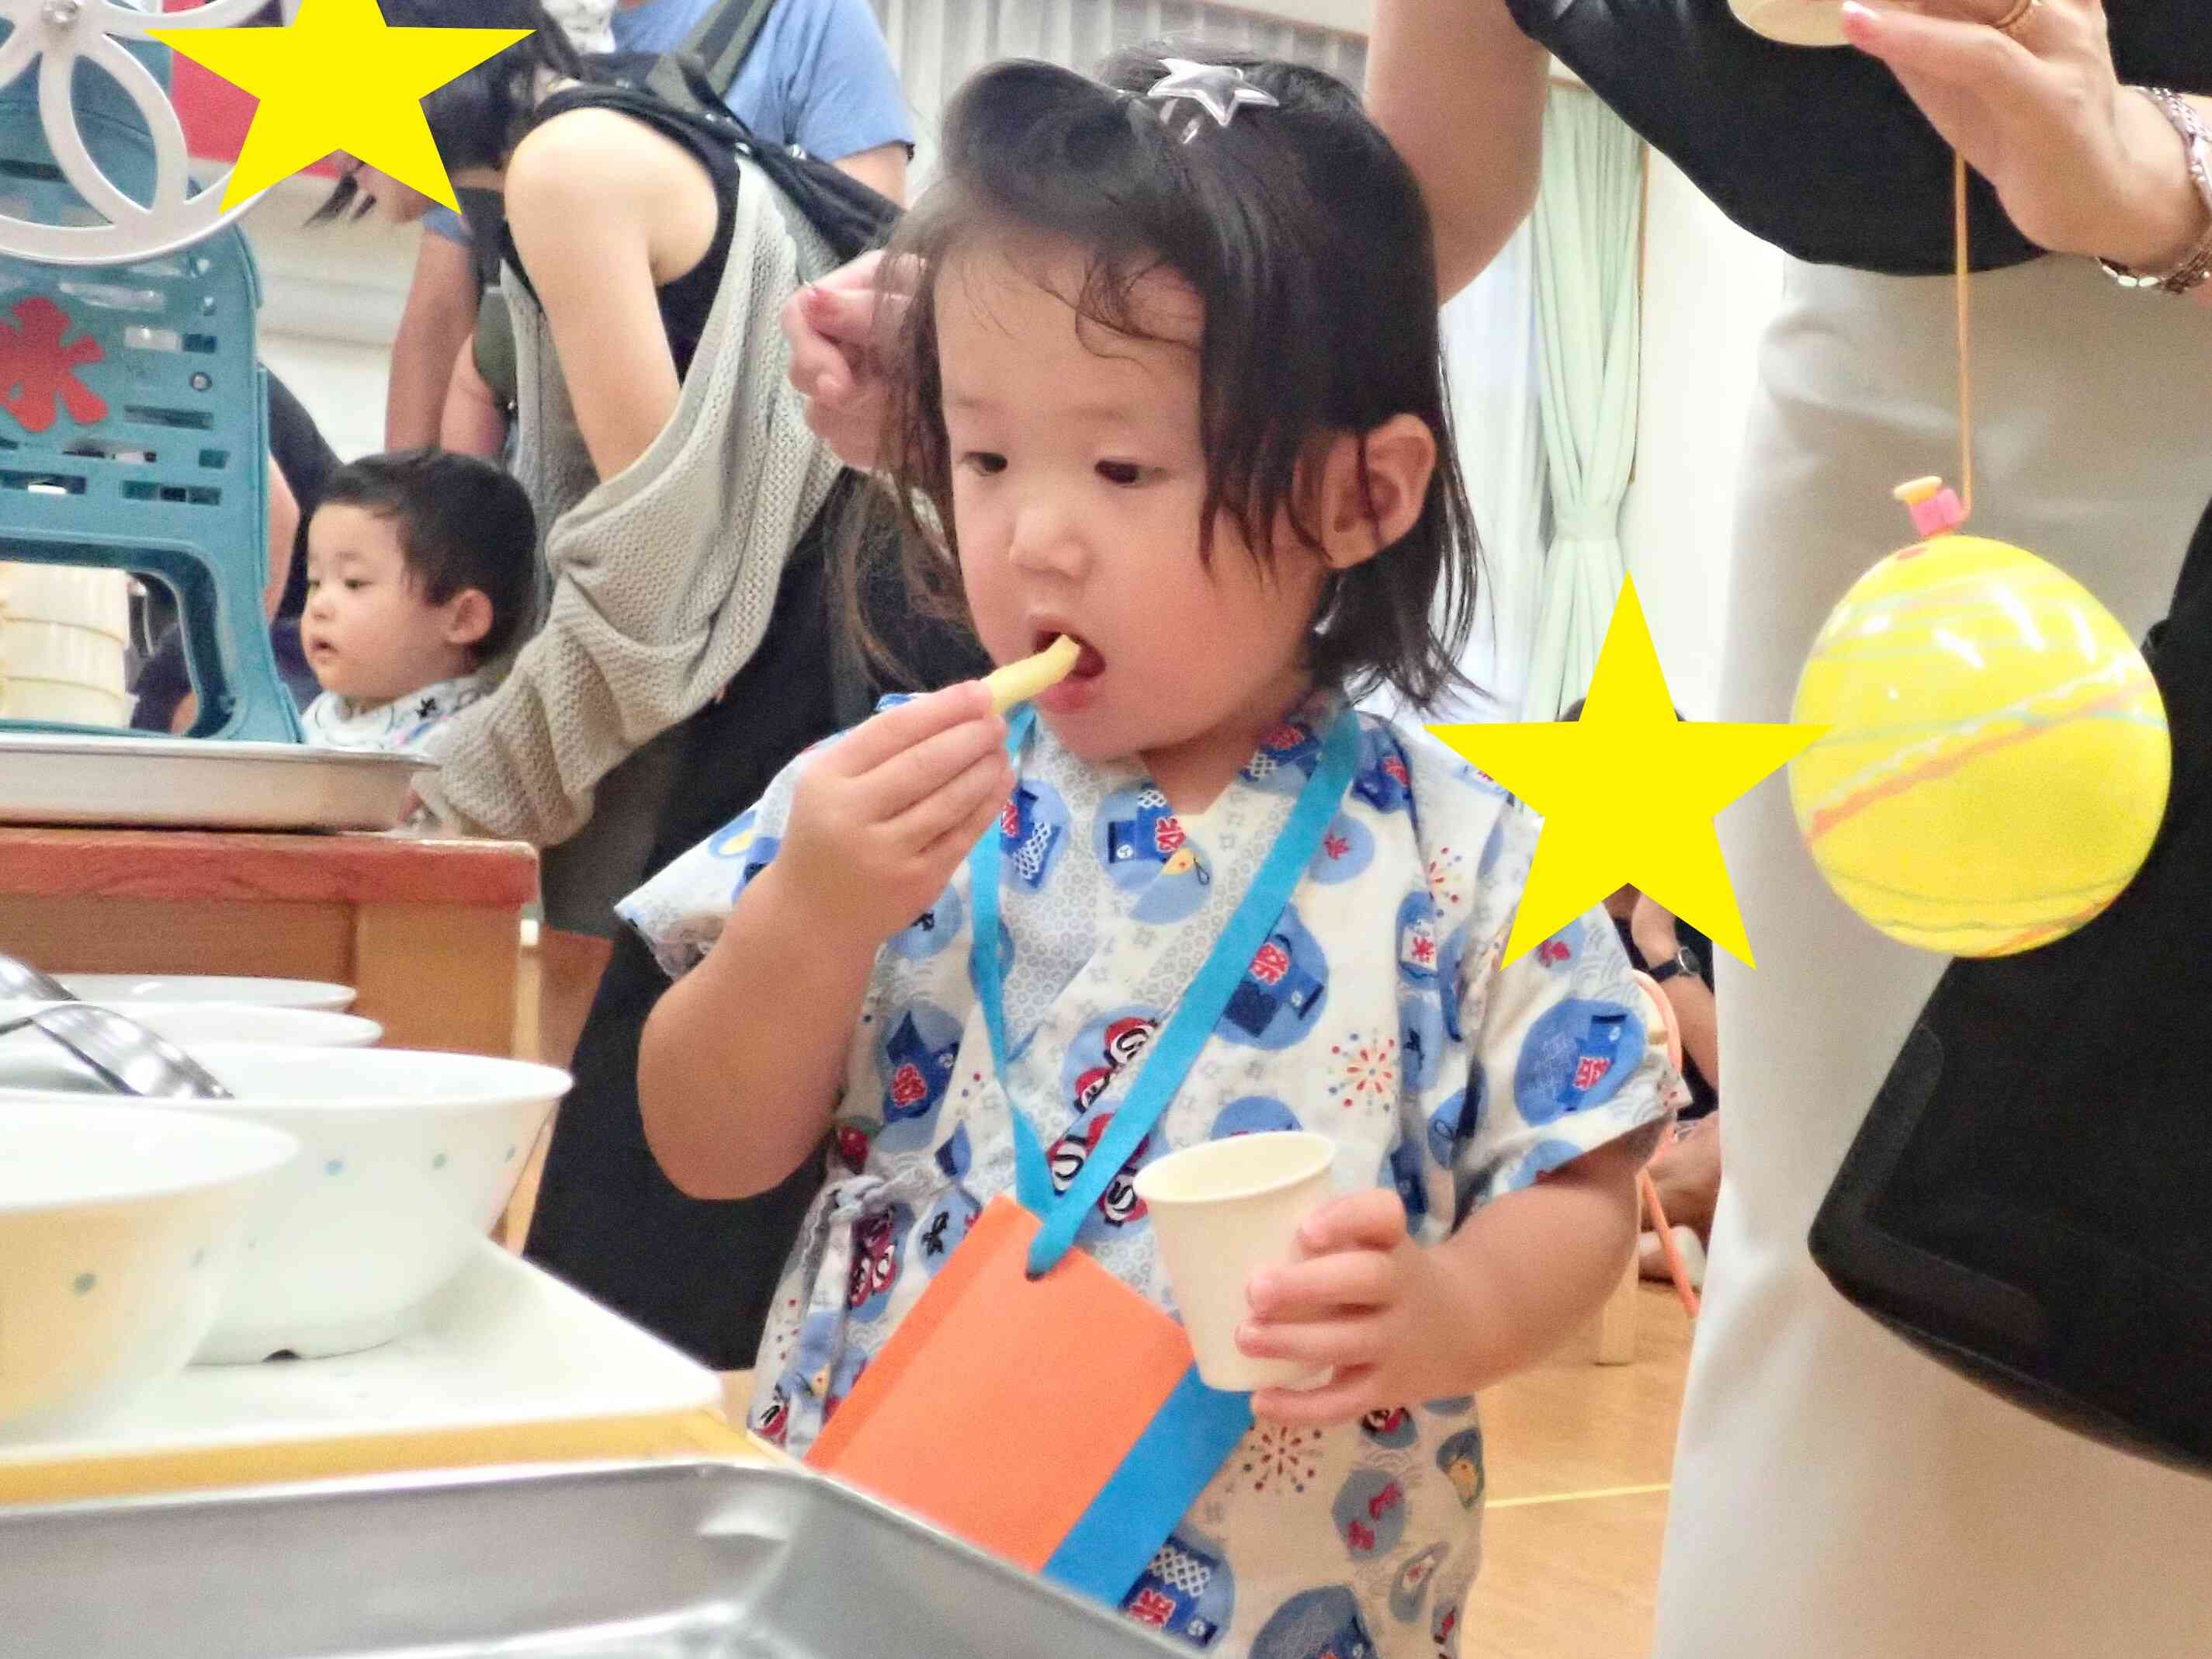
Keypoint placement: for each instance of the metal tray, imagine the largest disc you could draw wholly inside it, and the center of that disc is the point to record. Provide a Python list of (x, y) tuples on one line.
[(199, 784), (694, 1560)]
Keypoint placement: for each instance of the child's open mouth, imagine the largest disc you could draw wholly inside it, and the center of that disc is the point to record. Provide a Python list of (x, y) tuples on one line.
[(1089, 665)]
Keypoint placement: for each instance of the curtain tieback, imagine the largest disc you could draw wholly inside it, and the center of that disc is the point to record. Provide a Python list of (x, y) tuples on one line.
[(1596, 521)]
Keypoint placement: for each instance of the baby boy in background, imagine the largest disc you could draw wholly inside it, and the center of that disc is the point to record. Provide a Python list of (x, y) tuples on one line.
[(421, 569)]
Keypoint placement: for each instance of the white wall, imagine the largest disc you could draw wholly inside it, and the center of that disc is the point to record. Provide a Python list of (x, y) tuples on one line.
[(331, 298), (1709, 289)]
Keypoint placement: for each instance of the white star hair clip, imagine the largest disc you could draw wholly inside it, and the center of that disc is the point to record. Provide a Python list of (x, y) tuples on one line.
[(1216, 88)]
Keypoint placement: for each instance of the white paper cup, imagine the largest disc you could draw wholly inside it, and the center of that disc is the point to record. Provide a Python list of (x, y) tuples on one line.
[(1793, 22), (1221, 1212)]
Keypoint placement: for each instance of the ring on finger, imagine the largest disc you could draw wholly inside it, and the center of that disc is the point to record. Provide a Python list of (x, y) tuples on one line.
[(2015, 23)]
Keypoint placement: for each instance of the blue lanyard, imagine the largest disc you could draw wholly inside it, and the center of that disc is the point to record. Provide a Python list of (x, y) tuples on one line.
[(1170, 1056)]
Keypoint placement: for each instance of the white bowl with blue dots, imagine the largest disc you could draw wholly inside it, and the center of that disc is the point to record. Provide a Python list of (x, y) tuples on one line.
[(410, 1158), (122, 1229)]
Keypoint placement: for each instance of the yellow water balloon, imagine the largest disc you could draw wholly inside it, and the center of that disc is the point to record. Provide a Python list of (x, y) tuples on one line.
[(1997, 759)]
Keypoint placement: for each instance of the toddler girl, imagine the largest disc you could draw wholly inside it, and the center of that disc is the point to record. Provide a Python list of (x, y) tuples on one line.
[(1168, 384)]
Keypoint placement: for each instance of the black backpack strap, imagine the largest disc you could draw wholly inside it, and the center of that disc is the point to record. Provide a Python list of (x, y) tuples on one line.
[(639, 91), (721, 41), (850, 217)]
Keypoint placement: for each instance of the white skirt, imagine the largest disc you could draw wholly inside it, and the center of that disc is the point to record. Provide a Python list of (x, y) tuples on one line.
[(1837, 1495)]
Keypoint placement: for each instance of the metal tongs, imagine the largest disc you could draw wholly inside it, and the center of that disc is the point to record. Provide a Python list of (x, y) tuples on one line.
[(124, 1055)]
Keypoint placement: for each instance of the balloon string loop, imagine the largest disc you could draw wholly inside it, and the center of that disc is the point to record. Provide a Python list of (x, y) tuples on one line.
[(1966, 354)]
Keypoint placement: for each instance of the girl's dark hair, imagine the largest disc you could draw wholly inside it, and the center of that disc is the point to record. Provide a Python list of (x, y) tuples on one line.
[(477, 118), (462, 523), (1305, 236)]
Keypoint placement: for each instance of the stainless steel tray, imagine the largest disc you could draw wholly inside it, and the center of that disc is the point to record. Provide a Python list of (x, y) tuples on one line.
[(674, 1560), (199, 783)]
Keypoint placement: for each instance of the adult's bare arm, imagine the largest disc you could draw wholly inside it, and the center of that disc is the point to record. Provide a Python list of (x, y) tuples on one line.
[(440, 315), (1460, 90)]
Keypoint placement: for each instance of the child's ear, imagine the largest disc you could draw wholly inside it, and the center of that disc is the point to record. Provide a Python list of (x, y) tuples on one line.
[(1361, 516), (468, 616)]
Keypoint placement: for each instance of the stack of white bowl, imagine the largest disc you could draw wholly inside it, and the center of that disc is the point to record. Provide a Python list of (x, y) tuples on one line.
[(63, 632), (121, 1232), (316, 1211)]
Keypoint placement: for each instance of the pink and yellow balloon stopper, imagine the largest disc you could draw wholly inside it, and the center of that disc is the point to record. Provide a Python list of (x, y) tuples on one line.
[(1997, 760)]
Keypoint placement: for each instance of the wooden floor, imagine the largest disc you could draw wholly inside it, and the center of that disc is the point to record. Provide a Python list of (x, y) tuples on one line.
[(1578, 1455)]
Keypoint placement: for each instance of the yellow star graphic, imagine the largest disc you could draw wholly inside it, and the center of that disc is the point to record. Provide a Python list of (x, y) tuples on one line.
[(1628, 794), (338, 79)]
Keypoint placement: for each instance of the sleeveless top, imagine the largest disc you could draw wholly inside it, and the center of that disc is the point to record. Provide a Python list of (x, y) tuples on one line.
[(684, 302), (1820, 151)]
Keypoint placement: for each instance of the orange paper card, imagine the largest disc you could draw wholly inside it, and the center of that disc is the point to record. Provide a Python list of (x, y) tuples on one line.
[(1003, 1407)]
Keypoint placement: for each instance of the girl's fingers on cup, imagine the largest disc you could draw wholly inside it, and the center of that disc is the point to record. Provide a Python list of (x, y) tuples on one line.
[(1371, 1220), (1341, 1342), (1321, 1286), (1345, 1398)]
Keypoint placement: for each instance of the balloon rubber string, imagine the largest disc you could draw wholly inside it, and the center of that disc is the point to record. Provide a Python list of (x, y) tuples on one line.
[(1965, 355)]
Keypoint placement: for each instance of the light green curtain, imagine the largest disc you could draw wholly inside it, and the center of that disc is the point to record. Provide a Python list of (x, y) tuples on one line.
[(1588, 208)]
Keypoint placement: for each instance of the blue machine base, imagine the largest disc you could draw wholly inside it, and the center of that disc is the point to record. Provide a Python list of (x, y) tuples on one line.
[(134, 411)]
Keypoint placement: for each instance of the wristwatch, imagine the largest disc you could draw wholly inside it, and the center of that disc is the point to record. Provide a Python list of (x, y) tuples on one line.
[(1685, 961), (2195, 265)]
